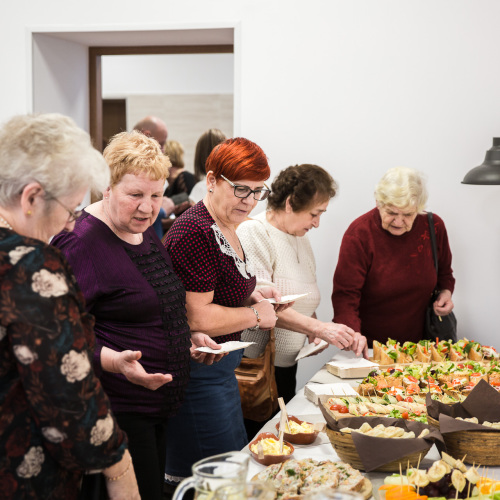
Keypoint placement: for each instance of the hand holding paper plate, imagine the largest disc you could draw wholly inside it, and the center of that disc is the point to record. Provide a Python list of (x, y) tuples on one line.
[(286, 299)]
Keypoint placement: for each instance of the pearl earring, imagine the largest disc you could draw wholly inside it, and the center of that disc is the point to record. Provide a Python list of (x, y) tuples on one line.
[(211, 190)]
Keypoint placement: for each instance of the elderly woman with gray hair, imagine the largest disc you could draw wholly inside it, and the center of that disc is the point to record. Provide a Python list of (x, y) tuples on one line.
[(56, 419), (385, 272)]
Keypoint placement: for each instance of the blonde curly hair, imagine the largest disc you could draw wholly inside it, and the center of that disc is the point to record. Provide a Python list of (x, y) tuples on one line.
[(135, 153)]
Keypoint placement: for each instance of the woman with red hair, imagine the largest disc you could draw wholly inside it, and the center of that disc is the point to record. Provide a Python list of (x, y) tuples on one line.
[(220, 301)]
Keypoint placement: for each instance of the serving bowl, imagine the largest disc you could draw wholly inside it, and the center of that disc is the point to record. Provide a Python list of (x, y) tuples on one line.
[(301, 437), (270, 459)]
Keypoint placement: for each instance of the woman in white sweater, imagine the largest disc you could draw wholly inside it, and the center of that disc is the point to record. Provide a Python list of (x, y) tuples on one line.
[(276, 243)]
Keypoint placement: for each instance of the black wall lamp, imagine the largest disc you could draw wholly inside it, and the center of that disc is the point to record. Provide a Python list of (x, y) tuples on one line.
[(489, 171)]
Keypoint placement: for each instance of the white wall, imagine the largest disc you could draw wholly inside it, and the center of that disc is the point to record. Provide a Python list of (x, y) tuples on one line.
[(357, 87), (167, 74)]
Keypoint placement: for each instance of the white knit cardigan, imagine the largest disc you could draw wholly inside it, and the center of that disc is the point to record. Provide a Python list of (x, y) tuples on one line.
[(286, 262)]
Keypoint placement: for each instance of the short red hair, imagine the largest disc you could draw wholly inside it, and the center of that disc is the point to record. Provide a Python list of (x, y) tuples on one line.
[(238, 159)]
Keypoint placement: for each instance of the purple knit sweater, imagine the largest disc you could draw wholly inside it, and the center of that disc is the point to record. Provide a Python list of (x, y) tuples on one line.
[(139, 304)]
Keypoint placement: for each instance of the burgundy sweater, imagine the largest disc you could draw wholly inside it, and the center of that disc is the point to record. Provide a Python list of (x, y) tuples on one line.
[(383, 283)]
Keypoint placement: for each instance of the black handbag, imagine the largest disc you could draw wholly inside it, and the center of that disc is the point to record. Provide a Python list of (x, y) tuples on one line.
[(442, 327)]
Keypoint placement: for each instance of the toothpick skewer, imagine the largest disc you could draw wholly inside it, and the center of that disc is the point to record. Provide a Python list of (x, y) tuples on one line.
[(283, 422), (401, 475)]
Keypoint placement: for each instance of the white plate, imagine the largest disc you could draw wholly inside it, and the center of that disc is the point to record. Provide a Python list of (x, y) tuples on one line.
[(232, 345), (286, 299)]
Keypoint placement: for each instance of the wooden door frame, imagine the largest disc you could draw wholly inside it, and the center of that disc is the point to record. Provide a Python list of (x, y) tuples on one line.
[(95, 73)]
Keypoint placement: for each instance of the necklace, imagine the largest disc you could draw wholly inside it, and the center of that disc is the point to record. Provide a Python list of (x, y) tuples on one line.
[(231, 231), (6, 224)]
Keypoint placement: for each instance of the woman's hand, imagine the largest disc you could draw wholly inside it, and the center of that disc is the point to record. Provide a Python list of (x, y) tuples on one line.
[(199, 339), (267, 315), (124, 486), (443, 305), (269, 292), (340, 336), (127, 363), (359, 345)]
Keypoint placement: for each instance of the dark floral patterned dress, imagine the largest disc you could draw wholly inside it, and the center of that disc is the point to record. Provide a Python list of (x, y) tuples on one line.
[(55, 419)]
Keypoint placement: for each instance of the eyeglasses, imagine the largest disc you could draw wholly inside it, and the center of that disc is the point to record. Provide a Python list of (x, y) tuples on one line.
[(72, 215), (240, 191)]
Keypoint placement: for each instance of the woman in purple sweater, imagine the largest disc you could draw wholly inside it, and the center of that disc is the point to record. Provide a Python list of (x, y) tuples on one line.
[(137, 299), (385, 273)]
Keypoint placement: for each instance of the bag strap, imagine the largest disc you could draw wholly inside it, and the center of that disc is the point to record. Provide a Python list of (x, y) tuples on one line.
[(432, 233)]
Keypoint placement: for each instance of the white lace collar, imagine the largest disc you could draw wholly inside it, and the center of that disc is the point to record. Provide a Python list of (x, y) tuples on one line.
[(245, 268)]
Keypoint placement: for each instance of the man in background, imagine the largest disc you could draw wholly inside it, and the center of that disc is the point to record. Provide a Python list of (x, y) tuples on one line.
[(155, 127)]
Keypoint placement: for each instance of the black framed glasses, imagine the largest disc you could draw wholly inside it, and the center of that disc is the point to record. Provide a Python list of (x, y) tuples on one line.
[(240, 191), (73, 215)]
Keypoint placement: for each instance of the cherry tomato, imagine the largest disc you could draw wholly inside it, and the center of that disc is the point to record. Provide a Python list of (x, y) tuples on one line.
[(399, 397), (461, 365), (343, 409), (470, 367), (405, 415), (496, 383), (409, 399), (475, 375), (411, 378)]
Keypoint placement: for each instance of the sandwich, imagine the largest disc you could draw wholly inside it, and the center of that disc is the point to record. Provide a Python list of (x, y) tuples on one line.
[(423, 352), (406, 352), (474, 351), (489, 353), (457, 350), (440, 351)]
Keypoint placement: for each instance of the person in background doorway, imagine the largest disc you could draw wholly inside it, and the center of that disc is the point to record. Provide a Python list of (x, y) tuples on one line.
[(180, 182), (207, 141)]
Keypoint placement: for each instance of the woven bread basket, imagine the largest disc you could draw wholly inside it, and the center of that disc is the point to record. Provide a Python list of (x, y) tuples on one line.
[(346, 450), (479, 447), (433, 422)]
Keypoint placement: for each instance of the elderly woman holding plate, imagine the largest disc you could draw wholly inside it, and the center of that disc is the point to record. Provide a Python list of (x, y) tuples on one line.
[(137, 298), (221, 301), (56, 420)]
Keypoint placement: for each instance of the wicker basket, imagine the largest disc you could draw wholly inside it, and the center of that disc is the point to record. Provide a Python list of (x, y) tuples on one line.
[(479, 447), (346, 450), (433, 422)]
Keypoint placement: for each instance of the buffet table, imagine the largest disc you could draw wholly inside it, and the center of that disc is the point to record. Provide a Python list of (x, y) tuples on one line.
[(322, 449)]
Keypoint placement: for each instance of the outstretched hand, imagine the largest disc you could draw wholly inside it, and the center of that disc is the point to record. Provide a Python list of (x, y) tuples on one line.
[(127, 363)]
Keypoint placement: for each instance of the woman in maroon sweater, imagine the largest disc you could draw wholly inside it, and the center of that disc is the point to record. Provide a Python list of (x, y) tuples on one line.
[(385, 272)]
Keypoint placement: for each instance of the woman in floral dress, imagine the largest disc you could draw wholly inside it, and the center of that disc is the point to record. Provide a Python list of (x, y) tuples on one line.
[(55, 419)]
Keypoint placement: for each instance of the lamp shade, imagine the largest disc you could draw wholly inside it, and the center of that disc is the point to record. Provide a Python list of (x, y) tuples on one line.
[(489, 171)]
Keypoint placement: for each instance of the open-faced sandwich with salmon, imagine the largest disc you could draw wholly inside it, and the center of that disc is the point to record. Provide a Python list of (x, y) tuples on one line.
[(423, 352), (440, 351)]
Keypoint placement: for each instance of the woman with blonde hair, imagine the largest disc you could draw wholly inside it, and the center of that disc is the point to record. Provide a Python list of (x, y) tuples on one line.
[(136, 297), (56, 419), (385, 273)]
